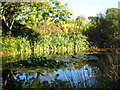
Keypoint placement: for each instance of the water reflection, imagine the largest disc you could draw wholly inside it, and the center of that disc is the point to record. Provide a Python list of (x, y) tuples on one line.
[(83, 77), (59, 71)]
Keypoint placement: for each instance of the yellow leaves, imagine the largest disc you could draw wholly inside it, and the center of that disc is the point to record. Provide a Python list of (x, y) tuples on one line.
[(29, 26), (66, 27)]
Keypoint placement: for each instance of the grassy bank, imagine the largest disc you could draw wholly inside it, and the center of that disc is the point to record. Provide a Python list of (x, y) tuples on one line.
[(12, 45)]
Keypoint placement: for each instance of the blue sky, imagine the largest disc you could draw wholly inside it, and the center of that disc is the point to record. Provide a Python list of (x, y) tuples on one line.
[(89, 7)]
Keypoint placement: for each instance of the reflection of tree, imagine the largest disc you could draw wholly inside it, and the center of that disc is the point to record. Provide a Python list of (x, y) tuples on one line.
[(39, 61), (32, 80), (32, 76), (45, 84), (9, 80), (83, 77)]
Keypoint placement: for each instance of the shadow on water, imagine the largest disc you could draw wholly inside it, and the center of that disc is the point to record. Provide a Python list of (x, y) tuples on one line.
[(61, 71)]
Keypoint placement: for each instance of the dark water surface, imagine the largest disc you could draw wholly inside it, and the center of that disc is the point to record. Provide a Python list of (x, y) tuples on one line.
[(61, 70)]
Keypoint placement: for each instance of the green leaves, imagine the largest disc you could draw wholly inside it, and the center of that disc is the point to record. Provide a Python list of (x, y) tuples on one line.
[(104, 30), (52, 9)]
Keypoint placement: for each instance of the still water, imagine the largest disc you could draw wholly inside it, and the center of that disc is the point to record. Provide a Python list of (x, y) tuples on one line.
[(60, 70)]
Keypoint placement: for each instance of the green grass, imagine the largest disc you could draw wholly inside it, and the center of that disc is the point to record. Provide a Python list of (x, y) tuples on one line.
[(24, 44)]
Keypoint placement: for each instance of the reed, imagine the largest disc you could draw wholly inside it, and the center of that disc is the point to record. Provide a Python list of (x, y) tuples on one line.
[(21, 44), (109, 69)]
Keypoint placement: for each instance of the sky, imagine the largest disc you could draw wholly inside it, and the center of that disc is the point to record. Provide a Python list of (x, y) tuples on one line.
[(89, 7)]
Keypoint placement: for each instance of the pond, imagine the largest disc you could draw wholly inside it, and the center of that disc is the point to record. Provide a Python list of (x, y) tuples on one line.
[(61, 70)]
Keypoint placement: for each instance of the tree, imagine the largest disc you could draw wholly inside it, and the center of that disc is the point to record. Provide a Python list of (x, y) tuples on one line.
[(33, 12), (105, 31), (82, 18), (10, 11), (13, 10), (52, 10)]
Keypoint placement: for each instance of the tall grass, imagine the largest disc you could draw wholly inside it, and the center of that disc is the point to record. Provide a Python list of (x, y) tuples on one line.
[(109, 69), (15, 45), (47, 42)]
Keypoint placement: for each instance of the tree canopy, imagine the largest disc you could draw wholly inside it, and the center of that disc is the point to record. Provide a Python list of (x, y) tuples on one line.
[(104, 31), (33, 12)]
